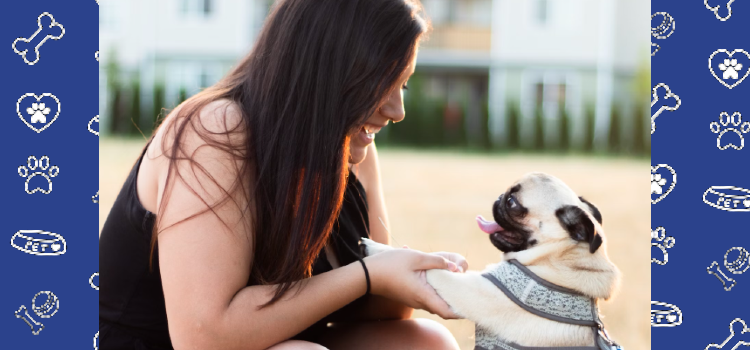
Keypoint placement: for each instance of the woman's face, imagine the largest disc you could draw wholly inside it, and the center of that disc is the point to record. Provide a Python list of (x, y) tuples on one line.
[(391, 110)]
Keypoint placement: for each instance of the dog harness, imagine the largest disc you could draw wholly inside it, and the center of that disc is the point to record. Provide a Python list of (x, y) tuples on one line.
[(547, 300)]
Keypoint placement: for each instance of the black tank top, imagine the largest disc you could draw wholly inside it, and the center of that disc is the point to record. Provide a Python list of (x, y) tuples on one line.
[(132, 313)]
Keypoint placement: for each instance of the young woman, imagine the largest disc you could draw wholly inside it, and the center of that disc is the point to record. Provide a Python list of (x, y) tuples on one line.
[(238, 226)]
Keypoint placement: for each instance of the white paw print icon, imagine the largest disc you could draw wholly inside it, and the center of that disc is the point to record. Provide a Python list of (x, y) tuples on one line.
[(726, 120), (730, 67), (668, 242), (38, 112), (29, 173), (656, 184)]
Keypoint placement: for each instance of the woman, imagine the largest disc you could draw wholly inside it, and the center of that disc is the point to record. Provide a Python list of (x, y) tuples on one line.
[(238, 226)]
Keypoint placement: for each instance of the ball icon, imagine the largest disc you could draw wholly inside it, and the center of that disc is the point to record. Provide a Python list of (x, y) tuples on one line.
[(45, 304), (740, 264)]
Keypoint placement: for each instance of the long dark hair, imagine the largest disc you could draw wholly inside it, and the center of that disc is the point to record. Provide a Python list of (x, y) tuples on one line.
[(318, 70)]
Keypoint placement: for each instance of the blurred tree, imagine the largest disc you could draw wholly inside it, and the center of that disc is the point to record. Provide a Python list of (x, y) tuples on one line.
[(539, 128), (158, 105), (615, 129), (564, 138), (512, 126), (588, 141)]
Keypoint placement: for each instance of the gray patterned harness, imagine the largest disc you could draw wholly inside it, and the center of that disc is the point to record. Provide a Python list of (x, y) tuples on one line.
[(547, 300)]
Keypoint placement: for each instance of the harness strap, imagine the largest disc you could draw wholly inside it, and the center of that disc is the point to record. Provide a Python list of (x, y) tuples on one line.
[(546, 300)]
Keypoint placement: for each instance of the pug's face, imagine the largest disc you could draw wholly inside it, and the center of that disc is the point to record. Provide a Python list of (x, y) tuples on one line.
[(541, 209)]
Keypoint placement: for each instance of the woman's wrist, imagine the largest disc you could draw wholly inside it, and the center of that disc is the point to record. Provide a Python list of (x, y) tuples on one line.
[(367, 276)]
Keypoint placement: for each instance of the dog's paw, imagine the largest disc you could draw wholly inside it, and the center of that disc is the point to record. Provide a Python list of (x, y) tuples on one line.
[(370, 247)]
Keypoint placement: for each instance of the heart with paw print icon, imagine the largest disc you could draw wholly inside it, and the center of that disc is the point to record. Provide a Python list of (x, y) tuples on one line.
[(729, 68), (38, 112), (663, 181)]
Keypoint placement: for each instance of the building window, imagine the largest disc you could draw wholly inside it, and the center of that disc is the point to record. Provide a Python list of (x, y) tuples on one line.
[(550, 98), (202, 8), (542, 11)]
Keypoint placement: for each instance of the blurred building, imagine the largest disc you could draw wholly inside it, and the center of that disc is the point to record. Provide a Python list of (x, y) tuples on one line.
[(178, 46), (551, 56), (484, 59)]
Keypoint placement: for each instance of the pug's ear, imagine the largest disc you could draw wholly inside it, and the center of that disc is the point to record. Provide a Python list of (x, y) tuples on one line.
[(593, 209), (579, 226)]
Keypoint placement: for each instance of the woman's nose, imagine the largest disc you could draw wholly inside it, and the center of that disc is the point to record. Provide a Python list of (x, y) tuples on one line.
[(393, 109)]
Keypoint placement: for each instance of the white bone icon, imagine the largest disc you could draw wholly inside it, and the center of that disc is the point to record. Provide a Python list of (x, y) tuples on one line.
[(739, 265), (38, 112), (721, 198), (34, 38), (38, 242), (716, 271), (23, 314), (716, 8), (741, 340), (657, 182), (730, 67), (659, 235), (665, 312), (93, 120), (655, 99), (726, 120), (663, 30), (27, 173)]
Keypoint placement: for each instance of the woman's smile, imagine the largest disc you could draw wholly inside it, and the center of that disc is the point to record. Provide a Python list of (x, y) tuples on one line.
[(368, 131)]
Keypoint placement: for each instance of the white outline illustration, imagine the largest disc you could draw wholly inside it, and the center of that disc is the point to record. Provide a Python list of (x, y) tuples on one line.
[(662, 28), (736, 267), (46, 310), (23, 314), (655, 98), (725, 120), (715, 270), (50, 306), (32, 245), (96, 56), (94, 119), (38, 163), (728, 202), (659, 234), (716, 8), (731, 335), (671, 187), (38, 98), (29, 40), (673, 316), (95, 198), (96, 337), (730, 54), (91, 281)]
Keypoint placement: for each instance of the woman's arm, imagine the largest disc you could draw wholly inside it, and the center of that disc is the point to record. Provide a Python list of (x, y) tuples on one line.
[(205, 261), (368, 173)]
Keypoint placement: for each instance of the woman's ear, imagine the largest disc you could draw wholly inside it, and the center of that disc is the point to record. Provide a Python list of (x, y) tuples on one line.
[(579, 226)]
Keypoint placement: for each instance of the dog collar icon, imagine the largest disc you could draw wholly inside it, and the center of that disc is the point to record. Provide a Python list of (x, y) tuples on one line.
[(38, 242), (728, 198)]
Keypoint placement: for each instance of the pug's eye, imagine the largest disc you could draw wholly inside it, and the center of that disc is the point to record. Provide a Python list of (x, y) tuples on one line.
[(512, 202)]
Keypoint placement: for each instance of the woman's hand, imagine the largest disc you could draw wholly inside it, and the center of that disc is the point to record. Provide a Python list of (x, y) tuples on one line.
[(456, 258), (400, 274)]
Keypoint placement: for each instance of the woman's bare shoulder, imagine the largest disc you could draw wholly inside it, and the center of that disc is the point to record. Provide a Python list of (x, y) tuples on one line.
[(218, 123)]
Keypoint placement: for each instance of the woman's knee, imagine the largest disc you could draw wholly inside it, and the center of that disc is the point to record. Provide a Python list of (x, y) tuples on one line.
[(297, 345), (429, 334)]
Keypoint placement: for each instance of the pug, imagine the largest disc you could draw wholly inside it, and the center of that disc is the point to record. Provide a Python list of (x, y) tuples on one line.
[(554, 269)]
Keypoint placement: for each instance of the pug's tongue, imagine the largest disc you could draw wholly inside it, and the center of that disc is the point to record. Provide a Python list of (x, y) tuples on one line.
[(488, 226)]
